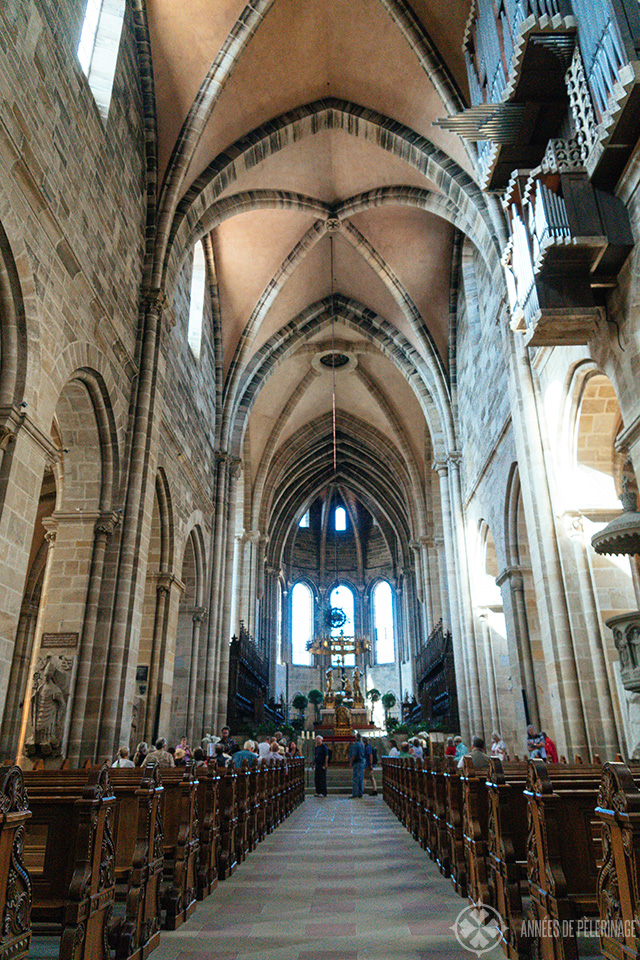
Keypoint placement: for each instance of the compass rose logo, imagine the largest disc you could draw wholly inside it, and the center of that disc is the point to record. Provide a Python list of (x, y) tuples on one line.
[(478, 928)]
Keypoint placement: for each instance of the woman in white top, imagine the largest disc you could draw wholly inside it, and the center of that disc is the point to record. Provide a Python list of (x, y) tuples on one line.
[(122, 760), (498, 746), (393, 750)]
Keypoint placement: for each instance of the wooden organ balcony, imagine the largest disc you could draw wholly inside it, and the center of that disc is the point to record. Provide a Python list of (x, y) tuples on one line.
[(568, 239), (532, 64)]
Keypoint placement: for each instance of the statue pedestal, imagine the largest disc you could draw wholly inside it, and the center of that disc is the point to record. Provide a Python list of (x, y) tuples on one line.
[(359, 718)]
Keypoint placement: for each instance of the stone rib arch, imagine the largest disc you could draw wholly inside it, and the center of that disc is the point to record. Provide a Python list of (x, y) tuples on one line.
[(166, 522), (369, 464), (434, 404), (305, 121), (290, 264), (100, 399), (13, 332), (193, 530), (197, 119)]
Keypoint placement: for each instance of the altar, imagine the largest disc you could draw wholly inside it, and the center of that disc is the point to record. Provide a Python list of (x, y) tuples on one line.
[(343, 714)]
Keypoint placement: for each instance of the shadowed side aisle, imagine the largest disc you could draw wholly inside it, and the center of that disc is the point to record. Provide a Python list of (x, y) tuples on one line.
[(340, 880)]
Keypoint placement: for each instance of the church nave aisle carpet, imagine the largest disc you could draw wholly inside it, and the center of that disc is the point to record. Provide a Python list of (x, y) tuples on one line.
[(339, 880)]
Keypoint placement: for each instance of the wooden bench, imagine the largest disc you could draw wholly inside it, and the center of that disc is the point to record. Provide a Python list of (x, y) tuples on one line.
[(15, 882), (618, 889), (209, 821), (455, 833), (137, 934), (564, 851), (475, 832), (180, 846), (227, 861), (70, 854)]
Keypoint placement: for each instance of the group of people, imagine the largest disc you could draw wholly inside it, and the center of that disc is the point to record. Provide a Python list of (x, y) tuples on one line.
[(362, 759), (539, 745), (225, 751)]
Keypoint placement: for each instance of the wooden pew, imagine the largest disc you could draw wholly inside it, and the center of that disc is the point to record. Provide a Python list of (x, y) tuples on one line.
[(227, 861), (69, 852), (180, 846), (209, 820), (15, 882), (475, 832), (137, 934), (618, 889), (439, 846), (563, 854), (455, 833), (507, 850)]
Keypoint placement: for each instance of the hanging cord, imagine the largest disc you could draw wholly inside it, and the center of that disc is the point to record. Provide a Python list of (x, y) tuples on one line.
[(333, 410)]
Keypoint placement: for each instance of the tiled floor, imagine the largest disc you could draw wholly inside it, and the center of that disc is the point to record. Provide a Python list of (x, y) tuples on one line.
[(341, 879)]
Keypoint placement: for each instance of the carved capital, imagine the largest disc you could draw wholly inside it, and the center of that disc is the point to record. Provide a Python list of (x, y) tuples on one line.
[(199, 614), (165, 581), (441, 467), (235, 466), (51, 530), (573, 522), (513, 575), (106, 524)]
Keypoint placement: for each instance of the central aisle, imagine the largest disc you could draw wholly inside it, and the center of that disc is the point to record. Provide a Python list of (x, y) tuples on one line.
[(340, 879)]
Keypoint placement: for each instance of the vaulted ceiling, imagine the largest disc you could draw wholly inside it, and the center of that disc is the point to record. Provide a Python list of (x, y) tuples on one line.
[(299, 136)]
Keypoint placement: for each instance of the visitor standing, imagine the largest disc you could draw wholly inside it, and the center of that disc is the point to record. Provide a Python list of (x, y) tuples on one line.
[(320, 764), (550, 748), (357, 760), (370, 759), (498, 746)]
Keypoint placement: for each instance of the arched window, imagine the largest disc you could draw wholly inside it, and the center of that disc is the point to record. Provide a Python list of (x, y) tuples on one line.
[(383, 622), (301, 624), (342, 598), (196, 301), (304, 521), (340, 519), (98, 48)]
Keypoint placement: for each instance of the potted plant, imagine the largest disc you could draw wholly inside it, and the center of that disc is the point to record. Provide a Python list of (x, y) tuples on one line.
[(388, 702), (300, 703), (316, 698), (373, 695)]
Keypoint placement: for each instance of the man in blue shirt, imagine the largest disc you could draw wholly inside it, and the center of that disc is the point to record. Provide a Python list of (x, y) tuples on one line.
[(356, 759)]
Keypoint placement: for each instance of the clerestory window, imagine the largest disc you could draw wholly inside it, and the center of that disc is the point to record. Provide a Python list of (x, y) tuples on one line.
[(99, 46)]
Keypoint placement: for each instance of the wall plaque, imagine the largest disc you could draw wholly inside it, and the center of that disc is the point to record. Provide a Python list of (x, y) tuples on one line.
[(59, 640)]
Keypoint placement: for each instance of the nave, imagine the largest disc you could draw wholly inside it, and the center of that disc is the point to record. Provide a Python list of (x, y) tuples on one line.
[(339, 880)]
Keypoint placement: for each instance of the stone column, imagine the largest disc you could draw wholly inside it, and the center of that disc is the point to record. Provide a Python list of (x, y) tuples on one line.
[(75, 739), (441, 560), (50, 536), (426, 549), (466, 613), (459, 651), (483, 616), (24, 452), (115, 718), (225, 632), (198, 615), (511, 582), (216, 598), (19, 667), (597, 658), (164, 583), (568, 719)]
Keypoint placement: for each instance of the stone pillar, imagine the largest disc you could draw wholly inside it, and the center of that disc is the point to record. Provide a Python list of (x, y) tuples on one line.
[(115, 719), (216, 598), (511, 582), (494, 711), (19, 667), (198, 615), (24, 450), (441, 560), (164, 583), (610, 741), (76, 741), (50, 537), (568, 721), (269, 621), (465, 707), (426, 549), (225, 631)]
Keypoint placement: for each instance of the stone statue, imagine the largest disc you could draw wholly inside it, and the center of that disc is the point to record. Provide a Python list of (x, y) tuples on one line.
[(347, 688), (329, 681), (357, 692), (49, 703)]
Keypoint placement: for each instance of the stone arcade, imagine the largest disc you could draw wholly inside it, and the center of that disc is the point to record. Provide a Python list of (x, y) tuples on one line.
[(313, 306)]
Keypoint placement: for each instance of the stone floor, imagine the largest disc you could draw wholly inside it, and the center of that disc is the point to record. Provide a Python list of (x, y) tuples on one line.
[(341, 879)]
